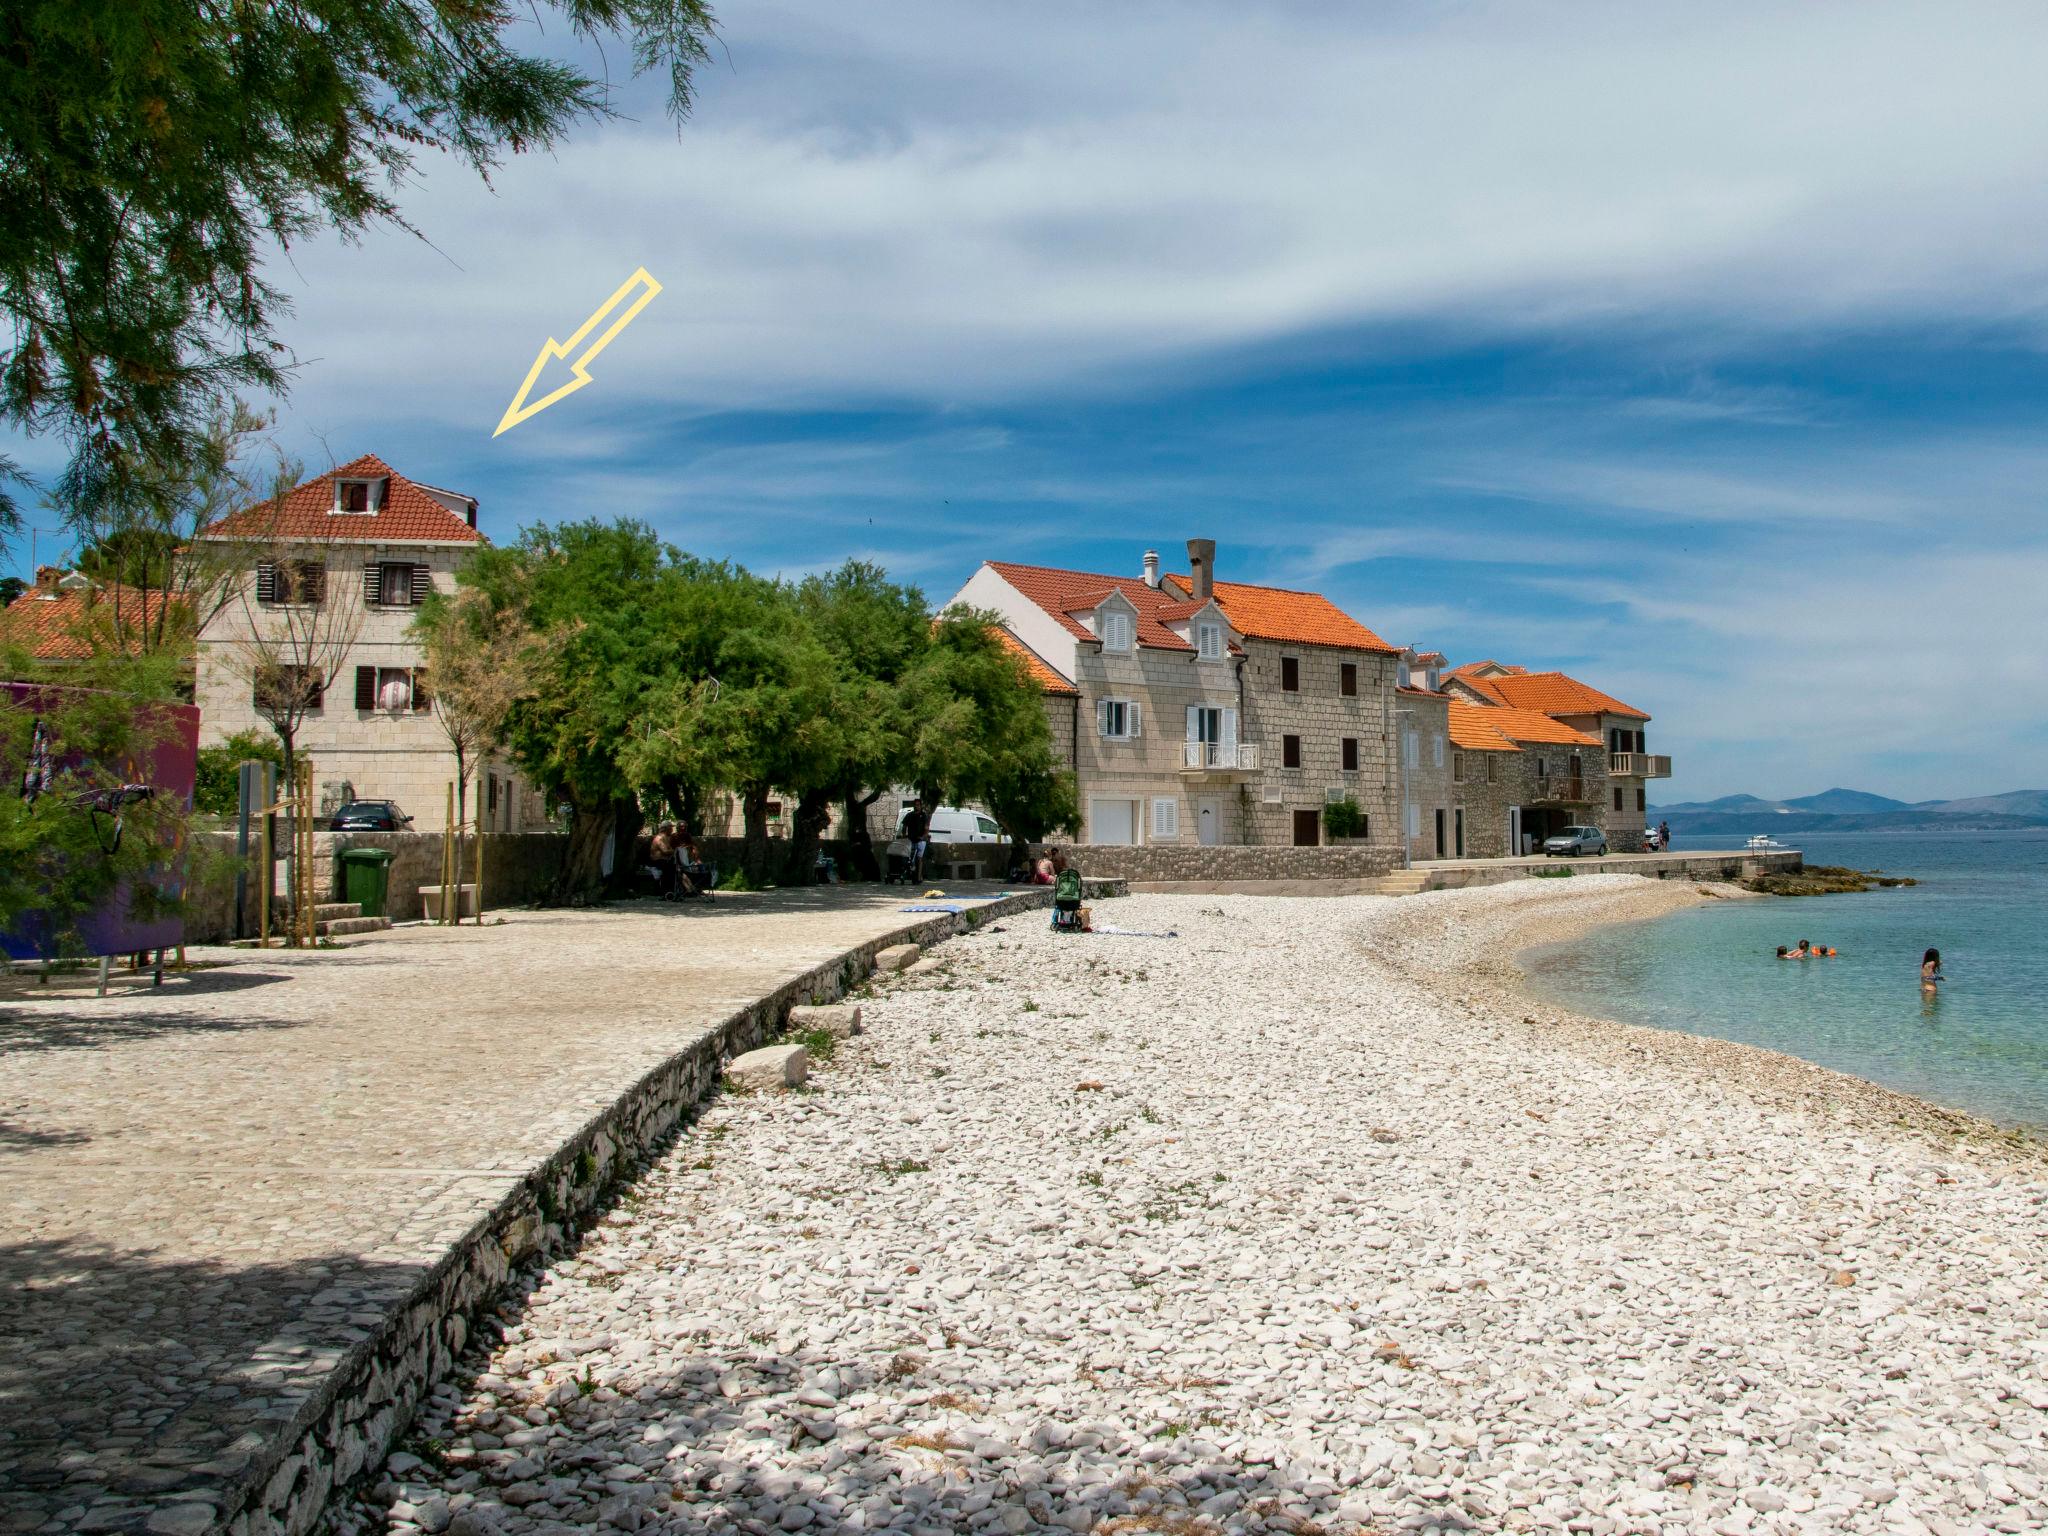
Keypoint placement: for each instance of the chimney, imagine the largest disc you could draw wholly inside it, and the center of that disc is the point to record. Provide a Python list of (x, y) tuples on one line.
[(1202, 568), (47, 577), (1151, 567)]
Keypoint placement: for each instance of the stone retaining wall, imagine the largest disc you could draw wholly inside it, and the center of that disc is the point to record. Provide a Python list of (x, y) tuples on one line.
[(518, 869), (1732, 865), (1188, 862), (369, 1397)]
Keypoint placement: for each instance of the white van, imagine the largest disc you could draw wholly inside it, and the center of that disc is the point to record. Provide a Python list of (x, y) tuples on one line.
[(950, 824)]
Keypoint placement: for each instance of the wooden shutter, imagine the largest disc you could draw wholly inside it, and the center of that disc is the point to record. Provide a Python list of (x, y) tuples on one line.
[(1194, 723), (1102, 717), (1230, 726), (314, 684), (1132, 719), (366, 687), (266, 583), (422, 584), (421, 699), (373, 585)]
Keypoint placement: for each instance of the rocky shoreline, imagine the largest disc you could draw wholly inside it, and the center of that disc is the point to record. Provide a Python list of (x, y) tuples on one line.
[(1304, 1220)]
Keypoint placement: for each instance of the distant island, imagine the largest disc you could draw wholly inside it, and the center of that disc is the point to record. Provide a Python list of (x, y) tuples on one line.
[(1854, 810)]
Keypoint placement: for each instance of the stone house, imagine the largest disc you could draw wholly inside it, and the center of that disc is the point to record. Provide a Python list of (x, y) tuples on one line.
[(374, 543), (1614, 765), (1203, 711)]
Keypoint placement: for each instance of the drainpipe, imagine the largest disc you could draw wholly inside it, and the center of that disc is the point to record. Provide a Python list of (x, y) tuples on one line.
[(1074, 750), (1244, 814)]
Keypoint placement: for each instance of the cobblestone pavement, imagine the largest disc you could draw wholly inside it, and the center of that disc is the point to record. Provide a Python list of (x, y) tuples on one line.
[(209, 1192)]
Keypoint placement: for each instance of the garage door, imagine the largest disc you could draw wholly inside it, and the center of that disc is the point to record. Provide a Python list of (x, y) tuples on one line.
[(1112, 821)]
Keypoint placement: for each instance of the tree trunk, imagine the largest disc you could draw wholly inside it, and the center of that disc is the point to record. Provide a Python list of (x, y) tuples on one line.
[(583, 869), (860, 847), (807, 830), (754, 850)]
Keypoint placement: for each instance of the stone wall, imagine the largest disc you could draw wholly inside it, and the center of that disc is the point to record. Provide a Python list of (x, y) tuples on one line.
[(1230, 862), (345, 1430), (518, 869), (1322, 717)]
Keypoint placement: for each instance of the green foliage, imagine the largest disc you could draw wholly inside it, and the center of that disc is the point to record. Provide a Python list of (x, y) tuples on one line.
[(1343, 818), (55, 858), (217, 790), (154, 155)]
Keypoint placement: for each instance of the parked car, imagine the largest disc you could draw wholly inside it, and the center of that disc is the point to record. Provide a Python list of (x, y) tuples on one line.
[(950, 824), (371, 816), (1573, 841)]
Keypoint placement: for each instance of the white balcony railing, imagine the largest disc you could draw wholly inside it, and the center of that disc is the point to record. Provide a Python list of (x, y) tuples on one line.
[(1638, 765), (1222, 754)]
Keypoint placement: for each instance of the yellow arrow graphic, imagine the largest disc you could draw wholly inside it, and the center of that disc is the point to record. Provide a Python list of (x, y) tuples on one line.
[(519, 410)]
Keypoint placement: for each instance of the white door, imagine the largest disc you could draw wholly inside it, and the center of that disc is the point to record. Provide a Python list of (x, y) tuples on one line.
[(1113, 821), (1209, 822)]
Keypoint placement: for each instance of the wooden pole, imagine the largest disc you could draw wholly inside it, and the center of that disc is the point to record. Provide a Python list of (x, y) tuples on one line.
[(309, 881), (479, 869), (451, 871), (268, 875)]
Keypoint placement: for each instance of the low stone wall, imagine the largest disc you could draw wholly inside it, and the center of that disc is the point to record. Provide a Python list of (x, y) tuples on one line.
[(518, 869), (371, 1394), (1734, 864), (1230, 862)]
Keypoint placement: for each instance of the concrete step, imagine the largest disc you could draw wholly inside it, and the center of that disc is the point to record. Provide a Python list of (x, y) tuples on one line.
[(1402, 882), (328, 911), (335, 927)]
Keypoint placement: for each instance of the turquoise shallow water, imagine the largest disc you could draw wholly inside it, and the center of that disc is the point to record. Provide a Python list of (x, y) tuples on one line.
[(1980, 1044)]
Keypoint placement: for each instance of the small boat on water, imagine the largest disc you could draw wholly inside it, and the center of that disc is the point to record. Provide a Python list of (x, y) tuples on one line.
[(1763, 842)]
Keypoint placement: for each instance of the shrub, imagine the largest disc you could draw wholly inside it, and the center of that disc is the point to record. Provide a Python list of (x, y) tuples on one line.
[(216, 791), (1343, 818)]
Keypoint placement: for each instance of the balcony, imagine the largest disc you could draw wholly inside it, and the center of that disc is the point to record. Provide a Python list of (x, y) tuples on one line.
[(1561, 789), (1219, 761), (1638, 765)]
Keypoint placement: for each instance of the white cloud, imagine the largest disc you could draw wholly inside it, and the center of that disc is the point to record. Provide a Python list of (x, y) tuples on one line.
[(947, 203)]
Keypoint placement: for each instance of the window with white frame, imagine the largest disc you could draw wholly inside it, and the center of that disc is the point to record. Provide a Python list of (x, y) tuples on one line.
[(1116, 631), (1165, 819), (1209, 641), (358, 496), (1117, 719), (1436, 748)]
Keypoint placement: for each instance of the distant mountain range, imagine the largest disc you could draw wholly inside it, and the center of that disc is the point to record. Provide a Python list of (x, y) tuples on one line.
[(1854, 810)]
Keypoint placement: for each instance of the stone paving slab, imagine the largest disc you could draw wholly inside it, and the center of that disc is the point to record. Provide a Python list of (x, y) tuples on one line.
[(209, 1193)]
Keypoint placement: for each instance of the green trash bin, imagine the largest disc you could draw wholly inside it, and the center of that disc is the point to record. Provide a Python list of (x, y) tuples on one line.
[(366, 877)]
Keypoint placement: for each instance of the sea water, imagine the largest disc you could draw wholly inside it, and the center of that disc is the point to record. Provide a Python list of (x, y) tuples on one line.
[(1979, 1042)]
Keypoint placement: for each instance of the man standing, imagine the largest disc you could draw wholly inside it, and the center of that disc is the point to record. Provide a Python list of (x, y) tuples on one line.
[(1664, 836), (917, 830)]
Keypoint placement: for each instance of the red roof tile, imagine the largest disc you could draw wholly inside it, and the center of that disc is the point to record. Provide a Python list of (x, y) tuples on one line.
[(1293, 618), (1532, 725), (1555, 694), (61, 627), (1066, 593), (1472, 729), (1472, 668), (411, 513), (1042, 671)]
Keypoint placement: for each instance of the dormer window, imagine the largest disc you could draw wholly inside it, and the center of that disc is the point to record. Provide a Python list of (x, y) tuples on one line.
[(360, 497), (1117, 631), (1209, 641)]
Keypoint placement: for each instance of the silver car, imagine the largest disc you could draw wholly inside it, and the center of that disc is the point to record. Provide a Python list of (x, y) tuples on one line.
[(1573, 841)]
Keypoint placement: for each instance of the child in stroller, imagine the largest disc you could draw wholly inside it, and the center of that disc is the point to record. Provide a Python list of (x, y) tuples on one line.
[(1066, 897)]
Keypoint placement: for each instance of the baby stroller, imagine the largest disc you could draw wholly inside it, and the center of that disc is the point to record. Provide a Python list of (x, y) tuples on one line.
[(898, 856), (1067, 912)]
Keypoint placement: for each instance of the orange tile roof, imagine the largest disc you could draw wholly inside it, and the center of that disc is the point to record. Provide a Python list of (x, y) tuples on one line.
[(1555, 694), (411, 514), (60, 627), (1066, 593), (1532, 725), (1472, 728), (1293, 618), (1042, 671), (1472, 668)]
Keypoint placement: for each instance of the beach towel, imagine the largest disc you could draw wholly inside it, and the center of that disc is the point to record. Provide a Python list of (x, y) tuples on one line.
[(1133, 933), (954, 907)]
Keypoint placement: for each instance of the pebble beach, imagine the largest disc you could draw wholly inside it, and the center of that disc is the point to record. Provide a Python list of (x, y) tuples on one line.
[(1303, 1219)]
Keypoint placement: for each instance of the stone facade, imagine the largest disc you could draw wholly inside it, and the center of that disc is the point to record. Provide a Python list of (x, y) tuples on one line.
[(1430, 822), (390, 751), (1482, 785)]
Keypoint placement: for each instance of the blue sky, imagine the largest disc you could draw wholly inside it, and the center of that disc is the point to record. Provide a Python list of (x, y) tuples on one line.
[(1701, 355)]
